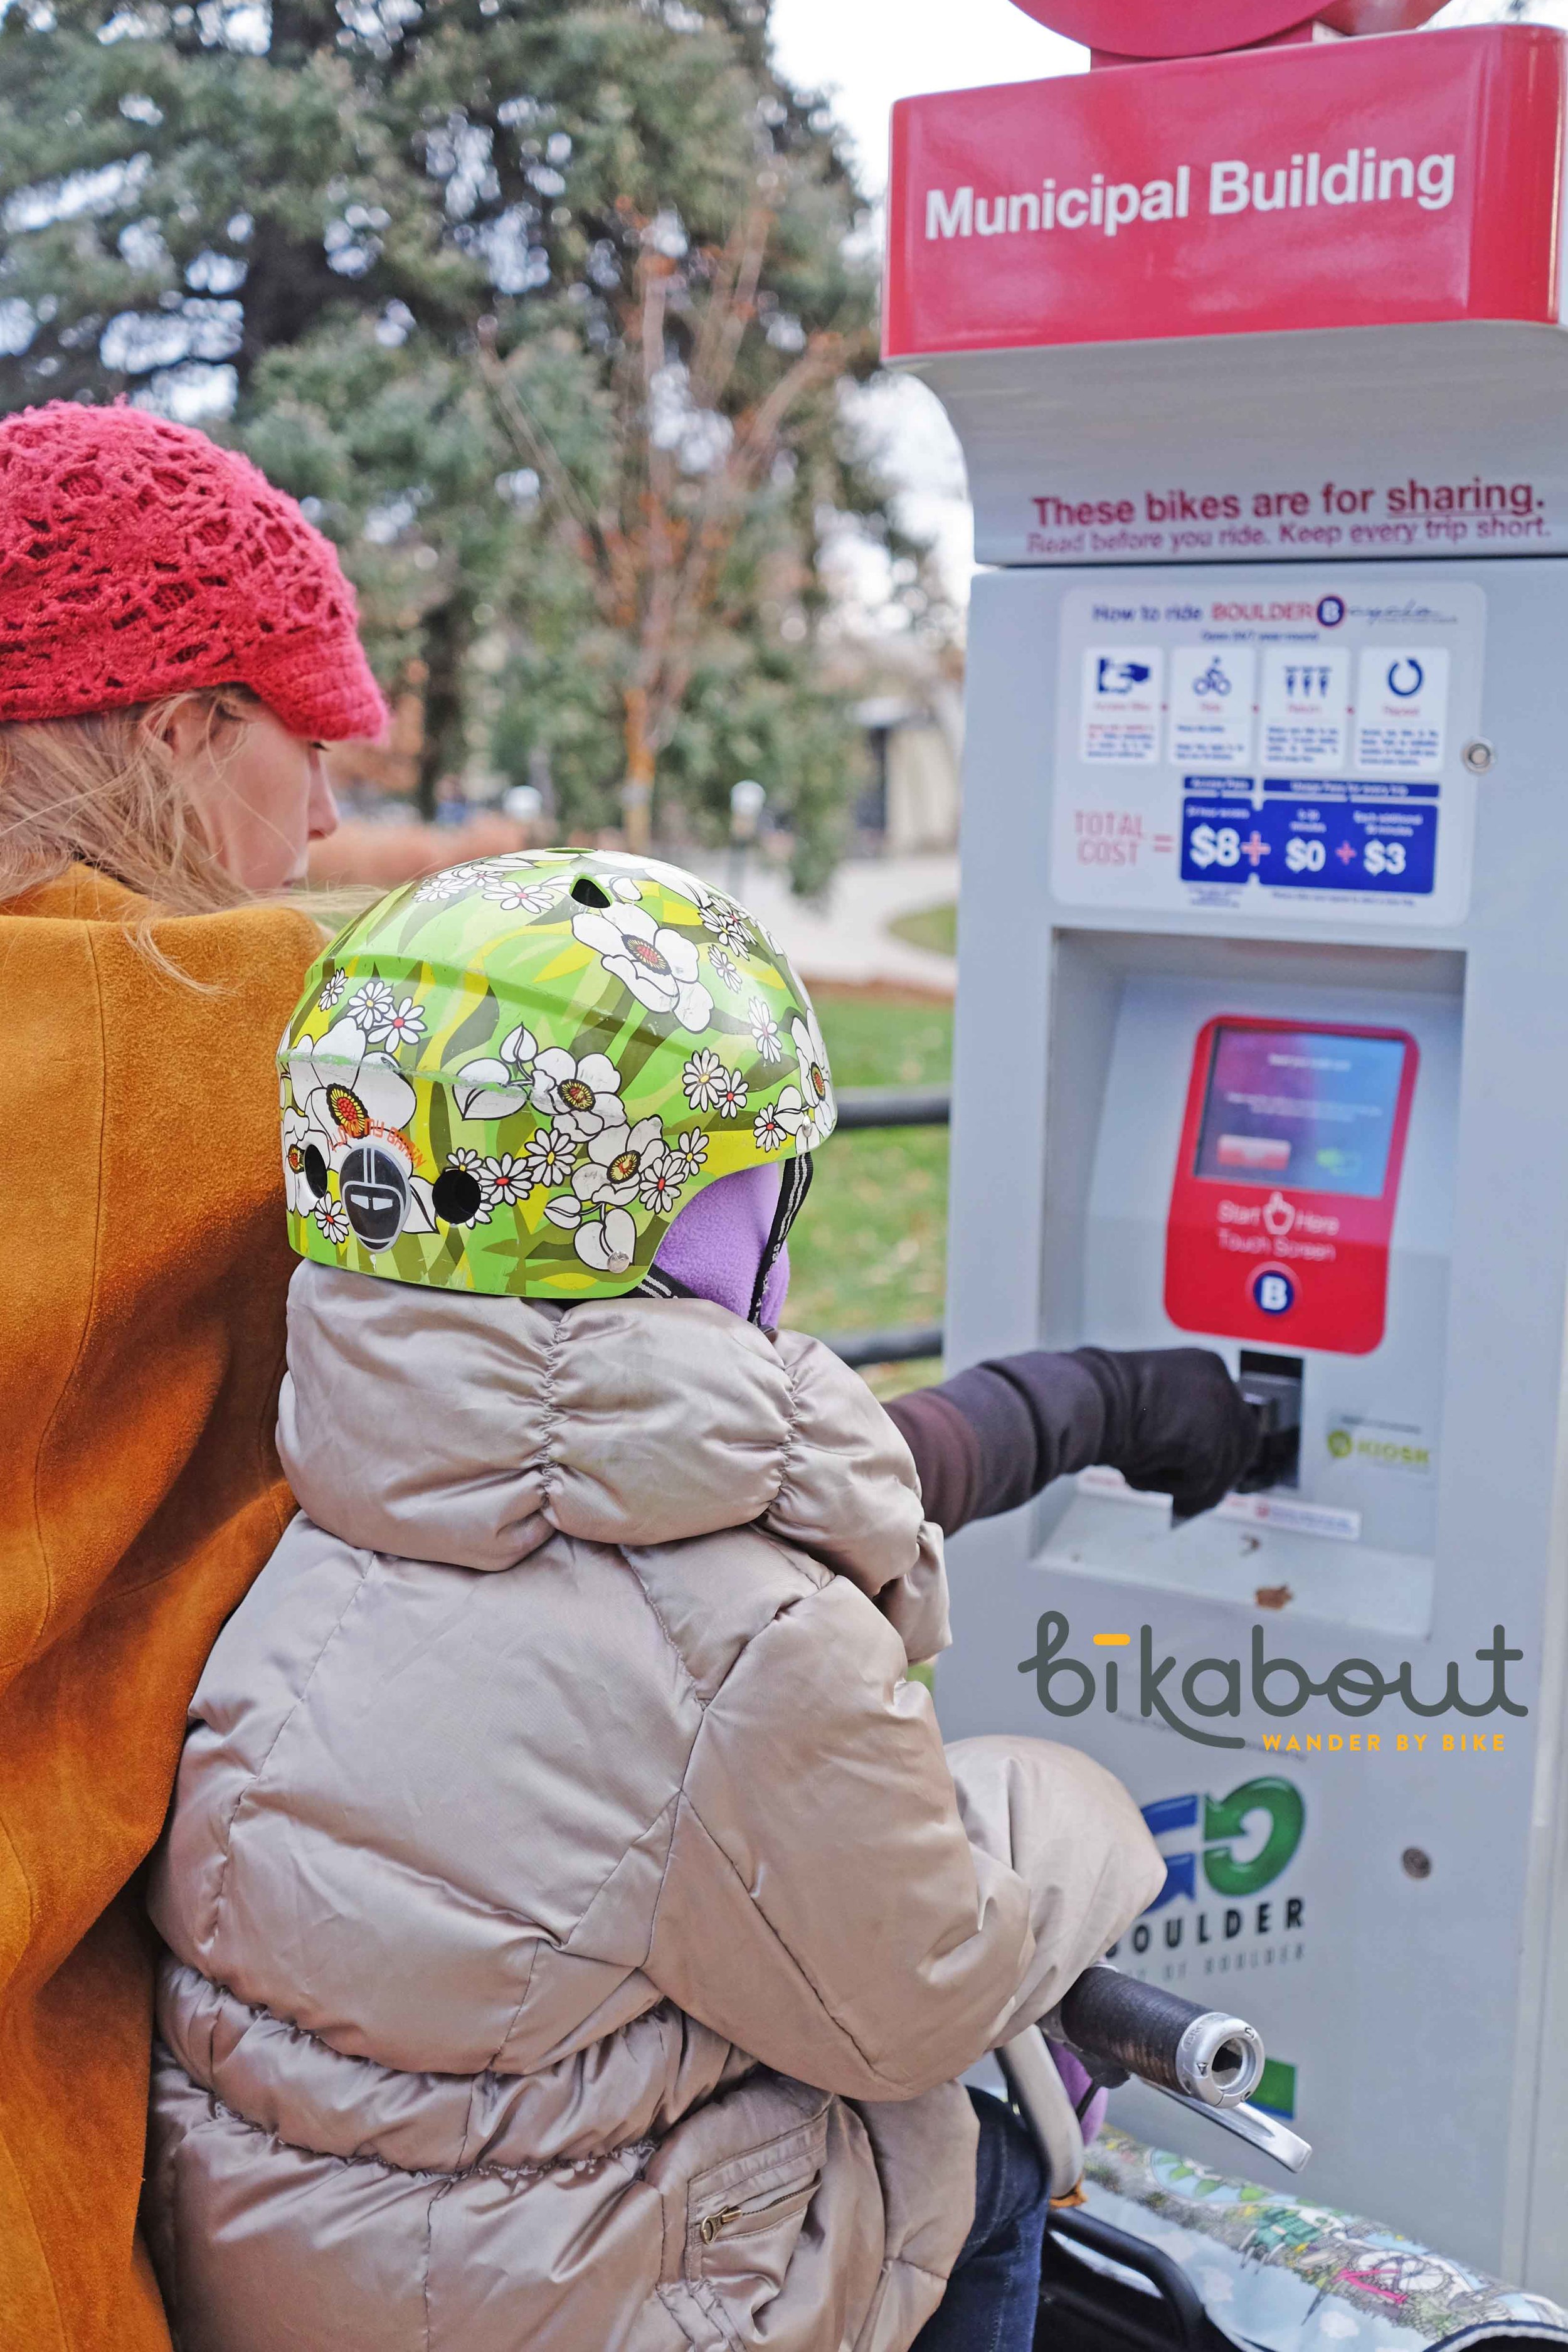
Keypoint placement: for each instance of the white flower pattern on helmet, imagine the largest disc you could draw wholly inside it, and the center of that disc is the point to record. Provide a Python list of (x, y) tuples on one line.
[(347, 1088), (515, 892), (608, 1246), (332, 1218), (764, 1031), (333, 992), (497, 1085), (549, 1156), (808, 1109), (370, 1004), (723, 968), (607, 1243), (505, 1179), (733, 1095), (620, 1162), (659, 965), (690, 1151), (448, 885), (421, 1217), (660, 1186), (405, 1025), (702, 1079), (727, 923), (770, 1130), (581, 1097)]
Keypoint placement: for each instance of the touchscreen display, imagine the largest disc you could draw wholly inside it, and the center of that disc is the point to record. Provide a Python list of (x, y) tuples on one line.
[(1302, 1107)]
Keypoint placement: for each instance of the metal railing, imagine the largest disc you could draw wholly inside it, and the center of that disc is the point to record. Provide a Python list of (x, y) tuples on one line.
[(895, 1107), (891, 1107)]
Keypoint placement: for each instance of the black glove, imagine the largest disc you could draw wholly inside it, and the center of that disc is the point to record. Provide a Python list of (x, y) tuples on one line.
[(1175, 1422)]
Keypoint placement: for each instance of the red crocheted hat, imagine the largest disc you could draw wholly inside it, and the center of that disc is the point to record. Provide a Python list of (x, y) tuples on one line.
[(137, 558)]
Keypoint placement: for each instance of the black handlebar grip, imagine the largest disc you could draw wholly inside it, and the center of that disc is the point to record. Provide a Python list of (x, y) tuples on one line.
[(1109, 2016)]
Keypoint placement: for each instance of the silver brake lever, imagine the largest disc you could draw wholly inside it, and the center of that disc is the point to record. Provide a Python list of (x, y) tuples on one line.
[(1248, 2123)]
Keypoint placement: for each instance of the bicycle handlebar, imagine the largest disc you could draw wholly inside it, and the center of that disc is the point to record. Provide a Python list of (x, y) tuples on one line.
[(1203, 2053), (1205, 2059)]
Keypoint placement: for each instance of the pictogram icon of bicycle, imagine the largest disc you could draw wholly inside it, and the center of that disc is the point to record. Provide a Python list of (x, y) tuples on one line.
[(1212, 681)]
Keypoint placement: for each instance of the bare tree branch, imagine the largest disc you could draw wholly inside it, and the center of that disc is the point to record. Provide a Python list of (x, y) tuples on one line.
[(658, 544), (528, 435)]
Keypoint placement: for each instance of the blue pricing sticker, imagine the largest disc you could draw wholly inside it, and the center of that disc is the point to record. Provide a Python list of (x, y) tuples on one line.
[(1223, 838), (1330, 838)]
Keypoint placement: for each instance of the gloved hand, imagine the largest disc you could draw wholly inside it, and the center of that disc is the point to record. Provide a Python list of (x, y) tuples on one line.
[(1175, 1423)]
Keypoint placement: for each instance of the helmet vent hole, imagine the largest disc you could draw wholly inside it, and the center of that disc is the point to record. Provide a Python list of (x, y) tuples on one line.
[(589, 893), (455, 1195)]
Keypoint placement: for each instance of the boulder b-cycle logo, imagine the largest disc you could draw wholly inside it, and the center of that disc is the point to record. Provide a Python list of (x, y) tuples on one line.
[(1233, 1847), (1270, 1804)]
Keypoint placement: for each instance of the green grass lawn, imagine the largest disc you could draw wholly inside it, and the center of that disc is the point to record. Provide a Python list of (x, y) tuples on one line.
[(870, 1248), (935, 928)]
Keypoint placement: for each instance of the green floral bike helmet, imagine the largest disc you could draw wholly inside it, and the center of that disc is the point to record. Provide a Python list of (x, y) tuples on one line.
[(511, 1077)]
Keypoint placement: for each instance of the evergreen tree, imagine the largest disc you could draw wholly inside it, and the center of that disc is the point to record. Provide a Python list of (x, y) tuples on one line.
[(544, 309)]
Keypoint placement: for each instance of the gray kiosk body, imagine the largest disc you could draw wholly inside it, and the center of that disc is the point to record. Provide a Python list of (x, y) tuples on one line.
[(1262, 1044)]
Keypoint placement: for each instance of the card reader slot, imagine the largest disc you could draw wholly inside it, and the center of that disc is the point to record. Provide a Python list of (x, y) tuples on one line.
[(1272, 1386)]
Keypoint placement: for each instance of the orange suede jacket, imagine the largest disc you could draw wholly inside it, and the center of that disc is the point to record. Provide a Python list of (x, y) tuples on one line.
[(141, 1296)]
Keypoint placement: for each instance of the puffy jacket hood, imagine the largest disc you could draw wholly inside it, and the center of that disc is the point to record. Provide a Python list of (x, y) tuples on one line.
[(432, 1425)]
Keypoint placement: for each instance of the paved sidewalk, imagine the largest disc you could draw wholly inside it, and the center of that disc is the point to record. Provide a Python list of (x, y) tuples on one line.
[(844, 937)]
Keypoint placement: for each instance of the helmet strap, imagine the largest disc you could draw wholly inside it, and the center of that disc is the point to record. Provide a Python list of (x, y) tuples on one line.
[(795, 1184), (657, 1284)]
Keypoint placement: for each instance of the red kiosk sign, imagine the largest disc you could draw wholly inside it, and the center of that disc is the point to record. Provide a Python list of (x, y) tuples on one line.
[(1282, 1209), (1404, 180)]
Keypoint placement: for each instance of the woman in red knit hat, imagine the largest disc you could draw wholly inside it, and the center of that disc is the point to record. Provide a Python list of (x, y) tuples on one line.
[(176, 644)]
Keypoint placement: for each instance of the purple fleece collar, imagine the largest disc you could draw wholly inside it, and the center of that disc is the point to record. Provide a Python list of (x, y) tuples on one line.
[(716, 1243)]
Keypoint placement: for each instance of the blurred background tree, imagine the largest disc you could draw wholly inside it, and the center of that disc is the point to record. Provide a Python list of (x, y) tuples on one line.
[(546, 310)]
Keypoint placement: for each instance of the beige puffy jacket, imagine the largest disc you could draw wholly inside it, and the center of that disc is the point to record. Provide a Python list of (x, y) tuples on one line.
[(575, 1925)]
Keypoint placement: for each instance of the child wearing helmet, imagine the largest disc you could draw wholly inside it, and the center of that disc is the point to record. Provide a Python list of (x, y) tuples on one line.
[(576, 1928)]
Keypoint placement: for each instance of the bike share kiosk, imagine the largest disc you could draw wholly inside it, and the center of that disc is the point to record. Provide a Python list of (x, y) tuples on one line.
[(1259, 365)]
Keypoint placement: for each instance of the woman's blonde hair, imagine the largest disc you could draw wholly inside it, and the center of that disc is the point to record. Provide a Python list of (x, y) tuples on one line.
[(103, 791)]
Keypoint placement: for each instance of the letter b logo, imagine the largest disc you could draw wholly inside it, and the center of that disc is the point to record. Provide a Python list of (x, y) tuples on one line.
[(1273, 1292)]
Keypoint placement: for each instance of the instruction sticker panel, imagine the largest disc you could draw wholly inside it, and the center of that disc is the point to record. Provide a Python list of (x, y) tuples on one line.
[(1295, 751)]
